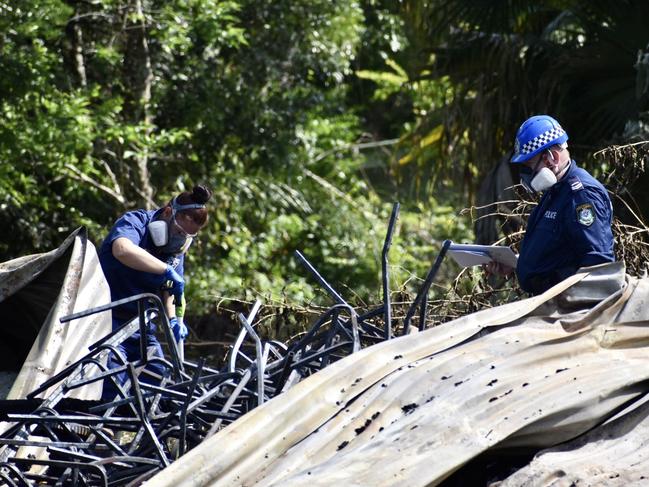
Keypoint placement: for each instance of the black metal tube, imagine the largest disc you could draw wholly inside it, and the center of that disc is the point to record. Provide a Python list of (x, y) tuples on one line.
[(141, 411), (425, 287), (337, 297), (183, 412), (387, 309), (110, 306), (142, 321)]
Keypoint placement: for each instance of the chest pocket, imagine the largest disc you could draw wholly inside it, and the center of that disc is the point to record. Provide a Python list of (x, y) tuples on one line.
[(549, 223)]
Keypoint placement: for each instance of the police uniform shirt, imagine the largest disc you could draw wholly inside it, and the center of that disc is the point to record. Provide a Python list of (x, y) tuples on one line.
[(570, 228), (123, 280)]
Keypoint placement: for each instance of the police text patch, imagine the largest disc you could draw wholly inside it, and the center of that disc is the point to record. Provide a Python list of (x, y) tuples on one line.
[(586, 214)]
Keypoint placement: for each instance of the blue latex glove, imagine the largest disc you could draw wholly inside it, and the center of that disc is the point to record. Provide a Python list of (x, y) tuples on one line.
[(175, 281), (179, 329)]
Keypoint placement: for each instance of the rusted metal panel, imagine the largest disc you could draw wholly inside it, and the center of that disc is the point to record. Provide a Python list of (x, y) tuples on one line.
[(63, 281)]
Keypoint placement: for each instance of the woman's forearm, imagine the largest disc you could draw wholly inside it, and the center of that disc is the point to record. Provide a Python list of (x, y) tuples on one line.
[(136, 257)]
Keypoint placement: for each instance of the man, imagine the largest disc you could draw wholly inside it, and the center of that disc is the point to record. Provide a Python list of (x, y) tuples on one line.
[(571, 226)]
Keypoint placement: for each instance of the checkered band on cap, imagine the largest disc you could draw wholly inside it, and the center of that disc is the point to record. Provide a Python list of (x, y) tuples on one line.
[(541, 140)]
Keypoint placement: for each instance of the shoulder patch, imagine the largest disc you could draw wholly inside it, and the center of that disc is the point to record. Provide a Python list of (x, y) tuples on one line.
[(575, 183), (585, 214)]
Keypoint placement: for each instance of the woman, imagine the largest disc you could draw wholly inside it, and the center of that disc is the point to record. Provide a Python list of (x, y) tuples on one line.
[(144, 252)]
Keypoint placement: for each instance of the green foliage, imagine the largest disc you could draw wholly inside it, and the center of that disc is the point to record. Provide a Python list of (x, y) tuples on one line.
[(308, 118), (388, 82), (69, 149), (507, 61), (46, 131)]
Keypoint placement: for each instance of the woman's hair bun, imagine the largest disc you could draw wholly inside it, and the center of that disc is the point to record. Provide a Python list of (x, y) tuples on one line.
[(201, 194)]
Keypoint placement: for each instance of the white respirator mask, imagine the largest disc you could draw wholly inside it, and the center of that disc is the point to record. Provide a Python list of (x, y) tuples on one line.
[(539, 181), (159, 231), (544, 179)]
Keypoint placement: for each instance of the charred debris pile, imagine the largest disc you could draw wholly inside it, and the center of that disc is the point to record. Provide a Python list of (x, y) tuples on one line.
[(51, 438)]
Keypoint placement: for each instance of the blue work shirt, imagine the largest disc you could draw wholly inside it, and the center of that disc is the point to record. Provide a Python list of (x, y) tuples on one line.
[(570, 228), (123, 280)]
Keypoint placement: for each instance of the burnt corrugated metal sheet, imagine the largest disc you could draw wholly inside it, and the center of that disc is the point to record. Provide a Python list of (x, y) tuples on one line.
[(423, 409), (35, 292), (615, 454)]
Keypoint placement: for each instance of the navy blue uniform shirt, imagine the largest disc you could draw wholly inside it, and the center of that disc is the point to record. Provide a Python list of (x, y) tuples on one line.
[(570, 228), (123, 280)]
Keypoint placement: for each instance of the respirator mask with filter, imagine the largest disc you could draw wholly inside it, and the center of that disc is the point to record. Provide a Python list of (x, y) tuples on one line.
[(171, 238), (537, 182)]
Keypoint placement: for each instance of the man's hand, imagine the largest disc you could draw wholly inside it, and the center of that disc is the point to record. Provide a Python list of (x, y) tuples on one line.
[(179, 329), (498, 269), (177, 282)]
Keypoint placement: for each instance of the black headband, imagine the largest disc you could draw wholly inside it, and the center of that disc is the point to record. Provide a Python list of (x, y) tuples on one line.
[(192, 206)]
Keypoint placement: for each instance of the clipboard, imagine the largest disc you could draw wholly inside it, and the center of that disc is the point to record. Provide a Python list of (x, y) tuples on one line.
[(468, 255)]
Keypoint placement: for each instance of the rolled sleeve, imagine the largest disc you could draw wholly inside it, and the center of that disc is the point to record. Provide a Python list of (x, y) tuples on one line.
[(131, 225)]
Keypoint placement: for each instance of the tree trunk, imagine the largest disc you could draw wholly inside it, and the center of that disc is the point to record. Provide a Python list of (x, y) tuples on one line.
[(138, 79), (77, 48)]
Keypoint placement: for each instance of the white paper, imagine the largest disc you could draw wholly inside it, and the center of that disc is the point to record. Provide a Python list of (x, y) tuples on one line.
[(467, 255)]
